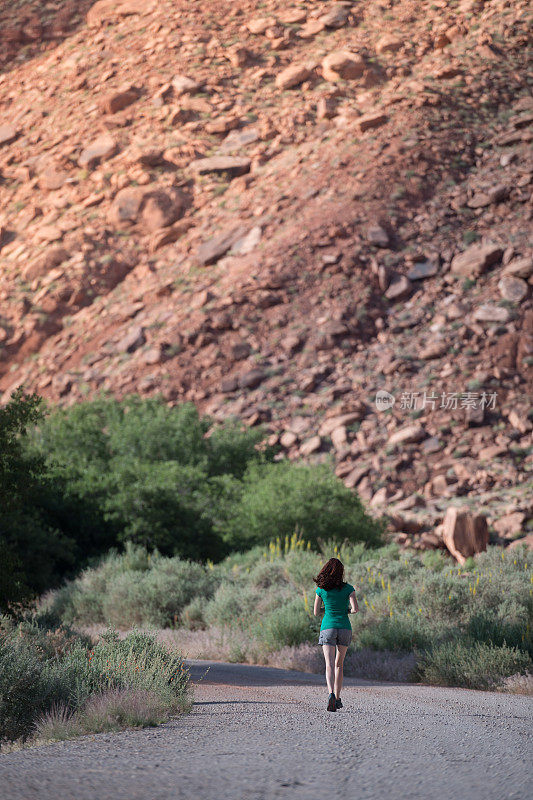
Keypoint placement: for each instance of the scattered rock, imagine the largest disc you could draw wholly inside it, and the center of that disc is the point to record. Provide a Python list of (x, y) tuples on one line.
[(511, 525), (288, 439), (118, 101), (292, 76), (512, 289), (105, 11), (161, 208), (476, 259), (210, 251), (525, 540), (8, 134), (231, 165), (99, 150), (342, 65), (371, 120), (491, 313), (520, 267), (408, 435), (423, 269), (252, 379), (378, 236), (464, 534), (185, 85), (310, 446), (399, 288), (388, 43), (336, 16), (259, 25), (131, 341)]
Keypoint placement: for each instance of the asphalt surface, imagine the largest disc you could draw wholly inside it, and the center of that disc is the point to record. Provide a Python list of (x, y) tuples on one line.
[(257, 733)]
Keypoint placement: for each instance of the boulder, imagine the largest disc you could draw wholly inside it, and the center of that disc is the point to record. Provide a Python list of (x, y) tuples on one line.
[(476, 259), (511, 525), (520, 267), (231, 165), (526, 541), (105, 11), (310, 446), (371, 120), (464, 534), (491, 313), (132, 340), (259, 25), (389, 43), (336, 16), (252, 379), (513, 289), (161, 208), (114, 102), (155, 208), (210, 251), (399, 288), (99, 150), (126, 206), (182, 84), (8, 134), (342, 65), (408, 435), (378, 236), (292, 76)]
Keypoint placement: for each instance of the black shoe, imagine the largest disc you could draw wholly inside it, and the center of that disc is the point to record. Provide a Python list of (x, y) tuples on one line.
[(338, 703), (332, 703)]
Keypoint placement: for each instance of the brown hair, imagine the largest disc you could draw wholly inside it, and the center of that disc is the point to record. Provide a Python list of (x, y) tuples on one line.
[(331, 576)]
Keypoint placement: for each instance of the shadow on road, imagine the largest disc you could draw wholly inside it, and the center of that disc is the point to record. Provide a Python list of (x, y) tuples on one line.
[(215, 672)]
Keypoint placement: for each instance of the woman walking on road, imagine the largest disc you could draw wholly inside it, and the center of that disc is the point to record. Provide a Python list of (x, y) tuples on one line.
[(335, 631)]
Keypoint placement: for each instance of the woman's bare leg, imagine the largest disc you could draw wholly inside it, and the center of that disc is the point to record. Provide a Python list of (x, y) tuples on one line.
[(329, 658), (339, 669)]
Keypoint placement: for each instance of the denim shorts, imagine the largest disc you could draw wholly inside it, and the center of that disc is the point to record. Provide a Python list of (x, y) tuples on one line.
[(342, 636)]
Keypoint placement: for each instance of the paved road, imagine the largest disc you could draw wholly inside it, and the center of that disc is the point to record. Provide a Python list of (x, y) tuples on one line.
[(257, 733)]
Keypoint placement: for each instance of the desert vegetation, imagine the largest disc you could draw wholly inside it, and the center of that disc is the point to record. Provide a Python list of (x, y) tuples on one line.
[(78, 481), (421, 617), (57, 684)]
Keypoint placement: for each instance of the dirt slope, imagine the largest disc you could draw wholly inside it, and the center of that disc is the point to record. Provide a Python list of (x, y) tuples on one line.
[(263, 210)]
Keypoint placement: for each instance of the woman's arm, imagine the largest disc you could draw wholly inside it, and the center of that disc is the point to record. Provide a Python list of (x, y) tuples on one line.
[(316, 609), (354, 608)]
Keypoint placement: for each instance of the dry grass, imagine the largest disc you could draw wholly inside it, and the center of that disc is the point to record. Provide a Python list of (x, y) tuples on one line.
[(518, 684), (108, 711)]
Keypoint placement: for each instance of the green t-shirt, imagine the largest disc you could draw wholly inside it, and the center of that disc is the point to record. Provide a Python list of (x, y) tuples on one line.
[(336, 605)]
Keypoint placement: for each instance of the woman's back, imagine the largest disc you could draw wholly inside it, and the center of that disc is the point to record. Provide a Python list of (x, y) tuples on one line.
[(336, 606)]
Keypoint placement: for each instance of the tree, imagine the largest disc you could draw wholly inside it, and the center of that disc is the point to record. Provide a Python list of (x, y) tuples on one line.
[(278, 499)]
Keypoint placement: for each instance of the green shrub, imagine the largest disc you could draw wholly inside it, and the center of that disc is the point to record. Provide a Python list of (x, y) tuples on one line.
[(398, 634), (286, 626), (43, 670), (278, 499), (473, 665), (133, 589)]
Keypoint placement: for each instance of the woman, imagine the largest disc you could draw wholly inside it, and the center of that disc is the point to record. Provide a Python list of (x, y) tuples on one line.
[(335, 631)]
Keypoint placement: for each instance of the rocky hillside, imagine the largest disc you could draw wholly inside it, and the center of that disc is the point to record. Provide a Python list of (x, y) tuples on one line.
[(277, 211)]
